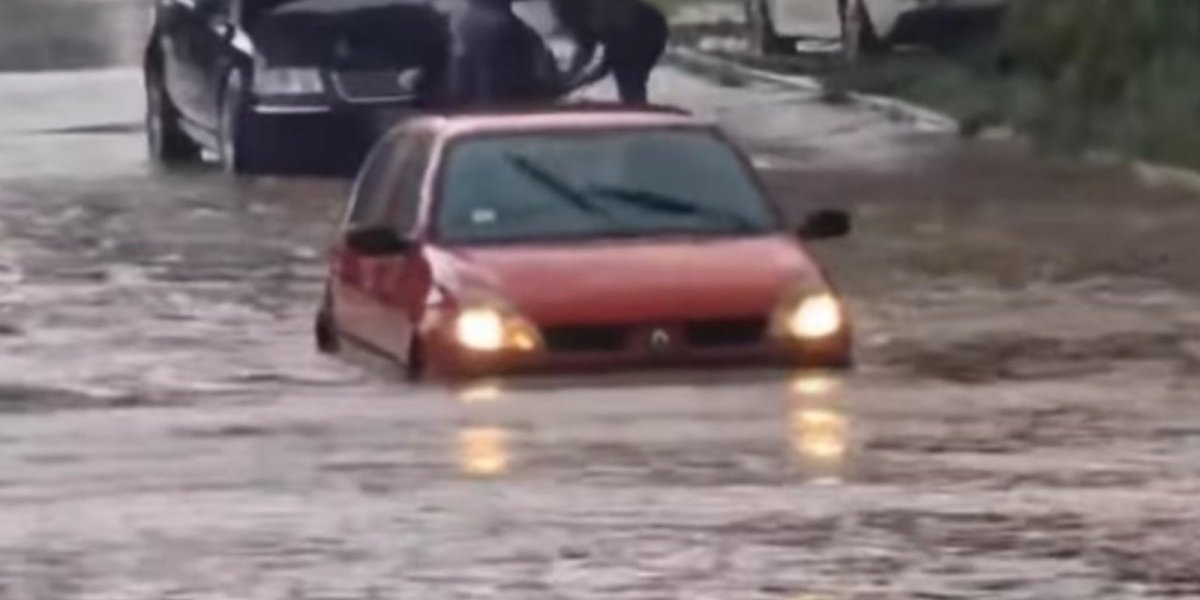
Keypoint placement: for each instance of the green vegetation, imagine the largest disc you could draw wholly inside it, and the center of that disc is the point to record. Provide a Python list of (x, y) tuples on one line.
[(1117, 75)]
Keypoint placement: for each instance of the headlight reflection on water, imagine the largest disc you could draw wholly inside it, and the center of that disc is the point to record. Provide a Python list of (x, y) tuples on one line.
[(815, 385), (819, 434), (483, 451), (818, 429), (481, 392)]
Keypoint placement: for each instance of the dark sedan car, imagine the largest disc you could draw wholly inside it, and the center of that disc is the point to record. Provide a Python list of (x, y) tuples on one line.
[(266, 83)]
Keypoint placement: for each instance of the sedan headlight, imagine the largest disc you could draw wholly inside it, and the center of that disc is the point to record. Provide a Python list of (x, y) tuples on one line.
[(816, 317), (809, 314), (288, 81), (492, 328), (480, 329)]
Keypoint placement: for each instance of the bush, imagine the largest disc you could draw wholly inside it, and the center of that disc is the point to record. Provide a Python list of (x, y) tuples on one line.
[(1122, 75)]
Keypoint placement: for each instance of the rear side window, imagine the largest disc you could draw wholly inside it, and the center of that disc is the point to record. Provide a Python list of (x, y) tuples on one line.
[(412, 175), (369, 200)]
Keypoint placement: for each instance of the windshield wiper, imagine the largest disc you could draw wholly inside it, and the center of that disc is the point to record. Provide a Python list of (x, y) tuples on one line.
[(670, 204), (554, 183)]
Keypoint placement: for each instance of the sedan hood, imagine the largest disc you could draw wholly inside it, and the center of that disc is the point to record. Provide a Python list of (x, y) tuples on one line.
[(351, 33), (632, 281)]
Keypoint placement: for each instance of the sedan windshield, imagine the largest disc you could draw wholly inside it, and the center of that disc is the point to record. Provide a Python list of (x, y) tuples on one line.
[(585, 184)]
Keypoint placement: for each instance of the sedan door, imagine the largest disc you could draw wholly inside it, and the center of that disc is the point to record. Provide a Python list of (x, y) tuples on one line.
[(178, 25), (398, 295), (213, 56), (355, 278)]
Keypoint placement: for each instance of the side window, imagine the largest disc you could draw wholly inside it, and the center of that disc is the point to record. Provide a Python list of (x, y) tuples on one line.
[(369, 199), (412, 176)]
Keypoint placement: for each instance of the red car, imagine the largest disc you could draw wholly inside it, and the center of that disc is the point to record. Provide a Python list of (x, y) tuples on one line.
[(575, 238)]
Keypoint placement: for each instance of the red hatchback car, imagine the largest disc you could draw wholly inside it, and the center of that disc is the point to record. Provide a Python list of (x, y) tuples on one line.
[(575, 238)]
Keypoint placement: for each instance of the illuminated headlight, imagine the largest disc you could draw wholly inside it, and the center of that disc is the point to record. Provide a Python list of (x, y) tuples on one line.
[(288, 81), (816, 317), (809, 314), (491, 329), (480, 329)]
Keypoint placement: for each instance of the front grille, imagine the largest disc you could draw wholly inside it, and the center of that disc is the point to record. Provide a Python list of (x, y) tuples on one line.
[(370, 86), (724, 332), (585, 338)]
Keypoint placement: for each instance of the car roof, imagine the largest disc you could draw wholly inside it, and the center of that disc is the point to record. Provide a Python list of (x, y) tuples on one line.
[(561, 117)]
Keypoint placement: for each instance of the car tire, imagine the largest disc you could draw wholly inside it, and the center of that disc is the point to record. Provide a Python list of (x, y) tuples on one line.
[(763, 39), (325, 329), (414, 365), (859, 38), (240, 144), (166, 142)]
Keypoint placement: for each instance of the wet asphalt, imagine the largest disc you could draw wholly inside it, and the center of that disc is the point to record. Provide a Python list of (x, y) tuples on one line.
[(1024, 423)]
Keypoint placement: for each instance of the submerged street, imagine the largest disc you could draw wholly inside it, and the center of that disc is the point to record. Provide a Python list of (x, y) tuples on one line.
[(1023, 424)]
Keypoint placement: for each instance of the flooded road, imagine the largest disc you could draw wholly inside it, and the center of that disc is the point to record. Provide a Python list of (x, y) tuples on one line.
[(1024, 425)]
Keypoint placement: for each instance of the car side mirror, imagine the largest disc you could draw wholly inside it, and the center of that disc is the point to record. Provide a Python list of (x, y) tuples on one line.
[(825, 224), (377, 241)]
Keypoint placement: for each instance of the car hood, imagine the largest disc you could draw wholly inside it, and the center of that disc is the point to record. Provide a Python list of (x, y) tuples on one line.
[(631, 281), (354, 33)]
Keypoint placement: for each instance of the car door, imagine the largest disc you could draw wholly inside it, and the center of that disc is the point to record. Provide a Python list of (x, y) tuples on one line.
[(178, 24), (399, 292), (353, 275), (212, 54)]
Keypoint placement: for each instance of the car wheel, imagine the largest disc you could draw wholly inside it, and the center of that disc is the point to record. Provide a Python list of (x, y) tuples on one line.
[(414, 365), (763, 39), (325, 328), (165, 140), (241, 148), (859, 39)]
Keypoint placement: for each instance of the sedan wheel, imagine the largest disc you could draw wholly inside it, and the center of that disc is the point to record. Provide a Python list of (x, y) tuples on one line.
[(325, 329)]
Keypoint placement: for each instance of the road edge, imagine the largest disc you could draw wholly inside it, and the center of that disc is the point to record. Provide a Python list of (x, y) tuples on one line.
[(1150, 173), (895, 109)]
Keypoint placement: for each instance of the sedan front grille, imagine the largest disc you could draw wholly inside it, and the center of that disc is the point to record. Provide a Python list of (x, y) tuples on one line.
[(371, 86), (586, 338), (707, 333), (724, 332)]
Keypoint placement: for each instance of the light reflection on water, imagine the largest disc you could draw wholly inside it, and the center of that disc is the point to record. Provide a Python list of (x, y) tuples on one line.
[(819, 431), (481, 392), (484, 451)]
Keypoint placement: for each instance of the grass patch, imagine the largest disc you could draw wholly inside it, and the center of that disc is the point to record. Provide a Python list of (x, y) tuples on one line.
[(1075, 75)]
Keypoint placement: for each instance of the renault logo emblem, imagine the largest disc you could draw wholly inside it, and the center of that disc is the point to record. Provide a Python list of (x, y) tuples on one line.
[(660, 339)]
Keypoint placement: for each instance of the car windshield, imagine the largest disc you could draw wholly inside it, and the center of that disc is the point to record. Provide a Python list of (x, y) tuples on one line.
[(586, 184)]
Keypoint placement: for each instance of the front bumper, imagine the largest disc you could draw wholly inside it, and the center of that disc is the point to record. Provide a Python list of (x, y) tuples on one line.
[(445, 359)]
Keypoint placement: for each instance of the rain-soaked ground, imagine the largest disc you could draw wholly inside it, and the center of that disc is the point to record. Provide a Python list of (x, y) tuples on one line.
[(1024, 423)]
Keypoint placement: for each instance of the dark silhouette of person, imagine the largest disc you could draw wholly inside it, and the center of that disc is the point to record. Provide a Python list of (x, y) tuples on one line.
[(632, 33), (494, 59)]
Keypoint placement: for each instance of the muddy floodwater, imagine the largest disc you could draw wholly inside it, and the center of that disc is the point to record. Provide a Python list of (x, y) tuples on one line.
[(1024, 424)]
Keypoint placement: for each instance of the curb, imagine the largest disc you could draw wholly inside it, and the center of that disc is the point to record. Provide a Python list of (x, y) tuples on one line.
[(898, 110), (1156, 175), (1149, 173)]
